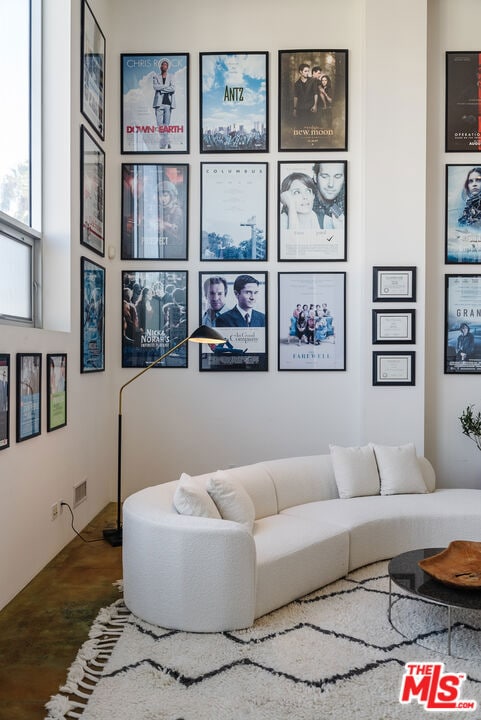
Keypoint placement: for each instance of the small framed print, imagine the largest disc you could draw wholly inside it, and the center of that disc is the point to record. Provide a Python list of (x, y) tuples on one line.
[(393, 368), (4, 401), (395, 327), (462, 342), (394, 284), (463, 101), (56, 391), (92, 316), (155, 200), (233, 211), (92, 193), (92, 66), (29, 395), (234, 102), (463, 214)]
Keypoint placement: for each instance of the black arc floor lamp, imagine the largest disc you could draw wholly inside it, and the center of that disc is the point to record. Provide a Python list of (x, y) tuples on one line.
[(203, 334)]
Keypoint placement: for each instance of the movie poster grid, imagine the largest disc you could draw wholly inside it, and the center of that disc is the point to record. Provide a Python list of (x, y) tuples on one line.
[(463, 214), (29, 395), (155, 100), (313, 99), (233, 211), (234, 102), (462, 353), (92, 316), (312, 210), (312, 321), (92, 193), (463, 102), (4, 401), (155, 200), (236, 305), (154, 317), (56, 391)]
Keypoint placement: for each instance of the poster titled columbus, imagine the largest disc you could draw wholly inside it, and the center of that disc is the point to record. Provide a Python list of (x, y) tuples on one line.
[(463, 101), (233, 102), (313, 99), (154, 109), (462, 349)]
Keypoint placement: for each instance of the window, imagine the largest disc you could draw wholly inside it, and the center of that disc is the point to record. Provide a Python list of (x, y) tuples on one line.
[(20, 160)]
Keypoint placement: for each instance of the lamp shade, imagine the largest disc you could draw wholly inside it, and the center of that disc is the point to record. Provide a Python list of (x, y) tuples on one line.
[(205, 334)]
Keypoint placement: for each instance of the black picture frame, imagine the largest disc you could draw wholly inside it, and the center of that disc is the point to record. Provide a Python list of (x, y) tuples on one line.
[(92, 71), (234, 102), (155, 211), (463, 102), (393, 368), (56, 391), (223, 299), (313, 112), (29, 395), (92, 316), (394, 327), (92, 193), (5, 383), (463, 214), (394, 283), (312, 210), (233, 212), (462, 328)]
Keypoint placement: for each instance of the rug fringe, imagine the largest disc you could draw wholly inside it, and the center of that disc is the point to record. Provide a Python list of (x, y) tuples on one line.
[(87, 668)]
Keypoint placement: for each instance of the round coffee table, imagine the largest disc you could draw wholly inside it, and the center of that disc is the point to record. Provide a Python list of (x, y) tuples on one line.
[(405, 572)]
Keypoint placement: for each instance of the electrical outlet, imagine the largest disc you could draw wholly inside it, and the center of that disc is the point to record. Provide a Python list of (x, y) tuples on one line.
[(60, 506), (54, 511)]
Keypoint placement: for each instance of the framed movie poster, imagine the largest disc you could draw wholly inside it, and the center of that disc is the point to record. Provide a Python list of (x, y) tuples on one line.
[(234, 102), (29, 395), (312, 321), (394, 368), (462, 340), (312, 210), (233, 221), (155, 201), (4, 401), (463, 214), (56, 391), (393, 284), (92, 64), (92, 316), (92, 193), (313, 99), (236, 305), (463, 101), (154, 317), (394, 327), (155, 103)]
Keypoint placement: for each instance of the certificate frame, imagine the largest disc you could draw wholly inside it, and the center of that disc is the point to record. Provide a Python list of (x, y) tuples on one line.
[(318, 233), (56, 391), (92, 316), (391, 368), (234, 102), (92, 71), (29, 395), (394, 283), (463, 102), (463, 214), (233, 212), (394, 327), (155, 211), (462, 307), (325, 127), (318, 341), (5, 383), (145, 127), (92, 193)]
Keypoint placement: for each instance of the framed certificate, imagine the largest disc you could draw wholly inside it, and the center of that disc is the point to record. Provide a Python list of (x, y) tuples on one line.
[(393, 368), (396, 327), (394, 284)]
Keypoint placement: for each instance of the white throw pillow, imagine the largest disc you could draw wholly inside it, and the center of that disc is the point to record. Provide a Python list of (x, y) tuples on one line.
[(190, 499), (355, 471), (232, 501), (399, 469)]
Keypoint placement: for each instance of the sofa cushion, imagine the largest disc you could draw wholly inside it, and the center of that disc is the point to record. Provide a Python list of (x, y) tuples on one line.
[(399, 469), (232, 501), (301, 479), (355, 470), (190, 499)]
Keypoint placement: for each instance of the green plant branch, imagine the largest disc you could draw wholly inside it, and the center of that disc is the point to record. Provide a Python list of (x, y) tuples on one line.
[(471, 425)]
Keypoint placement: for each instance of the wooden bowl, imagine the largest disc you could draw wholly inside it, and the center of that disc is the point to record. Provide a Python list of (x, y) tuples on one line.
[(458, 565)]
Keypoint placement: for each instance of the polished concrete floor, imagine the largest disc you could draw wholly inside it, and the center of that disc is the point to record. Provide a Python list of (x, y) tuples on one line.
[(43, 627)]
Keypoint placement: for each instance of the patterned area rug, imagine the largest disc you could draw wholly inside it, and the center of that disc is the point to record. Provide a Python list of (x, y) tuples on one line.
[(333, 654)]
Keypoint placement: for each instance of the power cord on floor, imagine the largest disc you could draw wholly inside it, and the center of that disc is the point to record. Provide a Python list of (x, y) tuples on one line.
[(76, 531)]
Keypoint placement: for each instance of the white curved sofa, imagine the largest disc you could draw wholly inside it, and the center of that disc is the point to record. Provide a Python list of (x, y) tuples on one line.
[(206, 574)]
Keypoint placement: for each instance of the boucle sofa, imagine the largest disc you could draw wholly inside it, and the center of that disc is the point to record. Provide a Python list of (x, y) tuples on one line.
[(313, 520)]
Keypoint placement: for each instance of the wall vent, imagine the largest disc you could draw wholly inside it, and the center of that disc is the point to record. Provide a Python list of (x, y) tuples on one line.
[(80, 493)]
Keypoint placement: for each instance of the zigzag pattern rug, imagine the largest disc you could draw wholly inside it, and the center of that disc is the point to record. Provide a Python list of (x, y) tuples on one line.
[(331, 655)]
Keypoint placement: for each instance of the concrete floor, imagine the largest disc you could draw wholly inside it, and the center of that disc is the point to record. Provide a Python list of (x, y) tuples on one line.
[(42, 628)]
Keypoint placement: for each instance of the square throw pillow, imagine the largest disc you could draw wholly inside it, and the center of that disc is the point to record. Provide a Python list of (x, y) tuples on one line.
[(232, 501), (355, 471), (190, 499), (399, 469)]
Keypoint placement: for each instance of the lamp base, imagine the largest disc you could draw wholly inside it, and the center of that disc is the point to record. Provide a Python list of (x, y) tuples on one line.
[(113, 536)]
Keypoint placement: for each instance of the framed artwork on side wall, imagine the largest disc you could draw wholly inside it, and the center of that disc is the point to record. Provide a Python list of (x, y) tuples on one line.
[(4, 401), (56, 391), (92, 316), (29, 395), (92, 193)]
